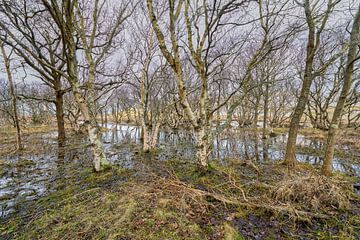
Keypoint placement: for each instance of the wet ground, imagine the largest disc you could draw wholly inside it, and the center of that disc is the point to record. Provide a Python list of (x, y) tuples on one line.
[(38, 171)]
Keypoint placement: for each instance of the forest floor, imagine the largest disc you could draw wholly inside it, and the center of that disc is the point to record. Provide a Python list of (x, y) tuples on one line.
[(172, 199)]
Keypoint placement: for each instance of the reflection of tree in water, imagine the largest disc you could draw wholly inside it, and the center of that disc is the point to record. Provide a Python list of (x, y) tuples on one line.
[(265, 150), (257, 155), (242, 145)]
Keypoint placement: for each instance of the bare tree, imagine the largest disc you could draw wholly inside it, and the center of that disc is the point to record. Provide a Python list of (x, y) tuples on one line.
[(64, 17), (13, 95), (314, 43), (71, 20), (204, 27), (348, 72), (25, 27)]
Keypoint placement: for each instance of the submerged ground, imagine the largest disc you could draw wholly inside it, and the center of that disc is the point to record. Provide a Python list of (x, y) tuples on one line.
[(51, 193)]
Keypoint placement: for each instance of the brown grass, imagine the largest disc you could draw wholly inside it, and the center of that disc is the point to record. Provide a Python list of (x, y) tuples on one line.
[(313, 192)]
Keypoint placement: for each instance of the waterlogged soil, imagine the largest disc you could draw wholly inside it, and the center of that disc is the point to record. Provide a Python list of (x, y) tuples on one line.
[(43, 169)]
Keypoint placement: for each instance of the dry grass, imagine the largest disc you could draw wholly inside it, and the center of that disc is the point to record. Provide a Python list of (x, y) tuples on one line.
[(313, 192)]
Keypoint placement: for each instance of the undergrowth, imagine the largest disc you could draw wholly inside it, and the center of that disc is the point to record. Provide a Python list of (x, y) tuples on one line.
[(177, 201)]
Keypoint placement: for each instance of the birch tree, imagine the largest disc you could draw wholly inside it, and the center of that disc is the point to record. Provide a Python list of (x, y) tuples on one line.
[(204, 27), (69, 18), (149, 78), (6, 58), (316, 24), (352, 57), (64, 17), (98, 38)]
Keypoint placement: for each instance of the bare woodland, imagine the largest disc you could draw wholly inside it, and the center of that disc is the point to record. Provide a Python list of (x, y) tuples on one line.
[(204, 71)]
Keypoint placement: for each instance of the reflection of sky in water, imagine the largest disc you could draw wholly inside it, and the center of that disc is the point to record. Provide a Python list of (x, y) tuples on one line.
[(122, 144), (180, 145), (27, 182)]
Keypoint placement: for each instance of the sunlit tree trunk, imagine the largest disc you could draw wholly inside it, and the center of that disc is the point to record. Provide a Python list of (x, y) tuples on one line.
[(13, 97), (336, 118)]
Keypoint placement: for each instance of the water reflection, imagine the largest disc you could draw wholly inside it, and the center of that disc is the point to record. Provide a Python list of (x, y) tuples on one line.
[(229, 145)]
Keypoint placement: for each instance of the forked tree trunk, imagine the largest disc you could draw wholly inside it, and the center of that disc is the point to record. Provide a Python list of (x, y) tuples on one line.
[(150, 138), (331, 138), (173, 58), (13, 97), (87, 106), (100, 161)]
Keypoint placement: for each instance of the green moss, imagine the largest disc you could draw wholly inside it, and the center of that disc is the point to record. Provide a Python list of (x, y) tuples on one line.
[(230, 233), (9, 228), (23, 163)]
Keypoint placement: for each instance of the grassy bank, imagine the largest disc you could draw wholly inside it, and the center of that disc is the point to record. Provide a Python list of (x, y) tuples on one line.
[(176, 201)]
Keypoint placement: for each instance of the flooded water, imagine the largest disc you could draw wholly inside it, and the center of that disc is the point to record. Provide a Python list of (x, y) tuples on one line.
[(230, 145), (28, 176)]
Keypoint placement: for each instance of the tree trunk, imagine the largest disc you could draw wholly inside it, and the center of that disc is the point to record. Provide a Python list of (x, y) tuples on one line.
[(304, 94), (102, 117), (256, 112), (330, 143), (174, 60), (145, 136), (59, 105), (201, 145), (100, 161), (155, 134), (106, 117), (13, 97), (266, 110)]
